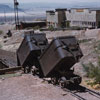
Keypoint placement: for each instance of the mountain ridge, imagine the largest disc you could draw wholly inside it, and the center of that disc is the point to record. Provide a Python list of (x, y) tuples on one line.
[(7, 8)]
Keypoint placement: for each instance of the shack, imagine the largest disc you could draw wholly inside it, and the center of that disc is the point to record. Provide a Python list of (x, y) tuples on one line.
[(32, 24)]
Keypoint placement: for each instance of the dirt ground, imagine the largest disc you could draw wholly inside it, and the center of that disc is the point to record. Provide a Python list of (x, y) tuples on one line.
[(28, 87)]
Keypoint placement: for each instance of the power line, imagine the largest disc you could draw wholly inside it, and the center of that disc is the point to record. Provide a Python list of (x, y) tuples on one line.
[(27, 13)]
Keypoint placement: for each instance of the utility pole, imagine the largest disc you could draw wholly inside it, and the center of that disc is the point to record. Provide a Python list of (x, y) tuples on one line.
[(16, 14), (5, 16), (23, 18)]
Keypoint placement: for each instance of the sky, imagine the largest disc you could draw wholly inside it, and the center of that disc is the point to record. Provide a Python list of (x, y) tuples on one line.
[(56, 1)]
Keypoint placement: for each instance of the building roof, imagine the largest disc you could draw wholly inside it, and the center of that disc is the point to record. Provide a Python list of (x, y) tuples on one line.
[(91, 9), (33, 22), (50, 11), (94, 9), (65, 9), (61, 9)]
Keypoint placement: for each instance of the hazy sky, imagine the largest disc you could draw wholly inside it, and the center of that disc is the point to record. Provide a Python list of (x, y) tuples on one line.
[(67, 1)]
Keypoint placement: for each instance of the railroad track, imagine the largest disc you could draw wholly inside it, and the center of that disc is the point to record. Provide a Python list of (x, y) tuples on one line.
[(5, 70), (83, 93), (80, 92)]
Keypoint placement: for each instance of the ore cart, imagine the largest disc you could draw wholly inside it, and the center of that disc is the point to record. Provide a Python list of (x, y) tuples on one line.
[(57, 60), (30, 49)]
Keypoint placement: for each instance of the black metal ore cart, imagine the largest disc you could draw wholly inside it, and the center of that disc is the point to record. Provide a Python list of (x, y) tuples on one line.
[(30, 49), (58, 59)]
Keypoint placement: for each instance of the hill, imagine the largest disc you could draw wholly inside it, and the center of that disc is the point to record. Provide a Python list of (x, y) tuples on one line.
[(5, 8)]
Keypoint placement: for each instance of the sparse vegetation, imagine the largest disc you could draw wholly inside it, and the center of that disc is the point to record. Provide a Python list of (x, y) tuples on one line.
[(97, 47), (36, 27), (0, 46), (76, 28), (93, 72), (10, 75), (51, 28), (1, 32), (84, 40), (67, 24)]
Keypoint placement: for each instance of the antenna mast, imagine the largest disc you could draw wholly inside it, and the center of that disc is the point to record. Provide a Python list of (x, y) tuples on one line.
[(16, 14)]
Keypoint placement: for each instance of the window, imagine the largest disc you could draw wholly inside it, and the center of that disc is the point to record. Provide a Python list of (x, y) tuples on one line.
[(69, 11)]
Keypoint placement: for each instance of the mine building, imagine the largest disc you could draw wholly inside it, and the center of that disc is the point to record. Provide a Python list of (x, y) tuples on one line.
[(32, 24), (56, 18), (84, 17), (75, 17)]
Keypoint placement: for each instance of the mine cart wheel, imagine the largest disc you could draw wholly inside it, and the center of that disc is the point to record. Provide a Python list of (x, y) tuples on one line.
[(76, 80), (34, 72), (54, 80), (26, 70), (62, 84)]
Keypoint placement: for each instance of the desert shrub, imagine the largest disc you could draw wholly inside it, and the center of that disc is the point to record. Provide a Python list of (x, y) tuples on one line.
[(93, 71), (84, 40), (51, 28), (86, 69)]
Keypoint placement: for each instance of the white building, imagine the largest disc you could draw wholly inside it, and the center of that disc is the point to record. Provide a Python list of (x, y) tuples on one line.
[(75, 17), (52, 18), (83, 17), (56, 18)]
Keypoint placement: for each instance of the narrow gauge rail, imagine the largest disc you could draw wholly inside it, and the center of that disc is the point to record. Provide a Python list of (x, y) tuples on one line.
[(73, 94), (81, 89), (5, 70), (76, 91), (96, 94)]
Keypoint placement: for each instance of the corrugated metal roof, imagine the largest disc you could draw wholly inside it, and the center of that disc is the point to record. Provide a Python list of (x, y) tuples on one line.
[(33, 21)]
